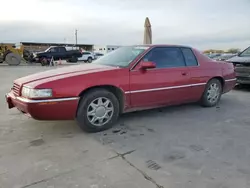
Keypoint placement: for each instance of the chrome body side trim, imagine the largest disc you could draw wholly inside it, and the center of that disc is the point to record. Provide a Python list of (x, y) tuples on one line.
[(46, 100), (230, 80), (164, 88), (172, 87)]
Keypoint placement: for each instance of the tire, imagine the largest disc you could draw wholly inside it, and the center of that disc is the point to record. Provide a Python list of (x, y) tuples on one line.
[(43, 61), (73, 59), (243, 85), (92, 98), (90, 59), (13, 59), (212, 93)]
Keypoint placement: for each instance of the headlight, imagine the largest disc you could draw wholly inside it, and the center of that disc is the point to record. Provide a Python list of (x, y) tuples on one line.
[(36, 93)]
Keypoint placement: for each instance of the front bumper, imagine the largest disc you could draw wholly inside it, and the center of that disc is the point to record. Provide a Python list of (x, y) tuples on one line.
[(243, 80), (48, 109)]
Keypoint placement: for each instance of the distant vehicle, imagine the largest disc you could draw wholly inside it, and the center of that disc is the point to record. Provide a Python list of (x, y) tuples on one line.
[(87, 57), (11, 54), (128, 79), (224, 57), (214, 55), (242, 66), (57, 52), (98, 55)]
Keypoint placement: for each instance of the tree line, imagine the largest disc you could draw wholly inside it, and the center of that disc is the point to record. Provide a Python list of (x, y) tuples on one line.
[(231, 50)]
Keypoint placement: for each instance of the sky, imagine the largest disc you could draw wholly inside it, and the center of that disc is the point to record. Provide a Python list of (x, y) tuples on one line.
[(217, 24)]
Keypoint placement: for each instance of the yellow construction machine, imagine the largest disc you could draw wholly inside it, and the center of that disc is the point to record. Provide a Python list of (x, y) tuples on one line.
[(11, 54)]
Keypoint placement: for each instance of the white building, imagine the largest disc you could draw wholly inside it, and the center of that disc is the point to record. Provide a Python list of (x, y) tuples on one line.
[(104, 48)]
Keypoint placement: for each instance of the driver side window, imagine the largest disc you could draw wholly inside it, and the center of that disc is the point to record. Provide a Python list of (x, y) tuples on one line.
[(53, 50), (165, 57)]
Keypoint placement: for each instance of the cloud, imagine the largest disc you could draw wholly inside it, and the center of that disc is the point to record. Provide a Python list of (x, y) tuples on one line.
[(204, 24), (89, 33)]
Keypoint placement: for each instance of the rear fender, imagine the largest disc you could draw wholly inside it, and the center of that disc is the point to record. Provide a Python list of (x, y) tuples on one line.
[(228, 70)]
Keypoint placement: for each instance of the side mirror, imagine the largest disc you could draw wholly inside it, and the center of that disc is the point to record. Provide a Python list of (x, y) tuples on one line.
[(147, 65)]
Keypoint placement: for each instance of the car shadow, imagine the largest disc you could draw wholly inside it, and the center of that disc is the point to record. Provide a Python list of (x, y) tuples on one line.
[(129, 121), (158, 111), (71, 127), (241, 87)]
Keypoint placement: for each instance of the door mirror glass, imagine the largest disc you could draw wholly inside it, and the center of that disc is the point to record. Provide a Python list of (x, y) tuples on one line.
[(147, 65)]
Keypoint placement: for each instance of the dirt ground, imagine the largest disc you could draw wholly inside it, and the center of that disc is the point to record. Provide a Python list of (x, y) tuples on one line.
[(176, 147)]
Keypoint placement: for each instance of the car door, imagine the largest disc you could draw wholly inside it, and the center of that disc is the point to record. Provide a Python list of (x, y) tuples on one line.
[(168, 83), (84, 56), (196, 74), (54, 53), (63, 53)]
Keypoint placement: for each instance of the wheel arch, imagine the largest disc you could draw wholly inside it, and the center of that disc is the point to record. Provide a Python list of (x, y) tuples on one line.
[(221, 79), (118, 92)]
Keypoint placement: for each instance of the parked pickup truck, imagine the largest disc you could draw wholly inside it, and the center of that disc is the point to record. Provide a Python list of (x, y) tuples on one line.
[(57, 52), (242, 66)]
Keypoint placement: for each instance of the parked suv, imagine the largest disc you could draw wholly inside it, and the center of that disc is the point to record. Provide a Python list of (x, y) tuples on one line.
[(87, 57), (242, 66)]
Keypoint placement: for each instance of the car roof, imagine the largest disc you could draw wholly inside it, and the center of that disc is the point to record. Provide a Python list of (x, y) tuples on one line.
[(163, 45)]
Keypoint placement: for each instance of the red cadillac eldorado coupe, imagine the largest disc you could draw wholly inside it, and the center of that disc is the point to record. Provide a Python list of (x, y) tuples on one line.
[(127, 79)]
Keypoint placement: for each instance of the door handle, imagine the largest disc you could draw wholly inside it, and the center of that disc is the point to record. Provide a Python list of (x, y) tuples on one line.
[(184, 74)]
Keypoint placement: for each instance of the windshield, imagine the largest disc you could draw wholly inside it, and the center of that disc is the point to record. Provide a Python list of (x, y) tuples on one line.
[(48, 49), (245, 53), (122, 56)]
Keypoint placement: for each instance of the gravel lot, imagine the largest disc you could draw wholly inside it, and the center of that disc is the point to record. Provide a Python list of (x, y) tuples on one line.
[(175, 147)]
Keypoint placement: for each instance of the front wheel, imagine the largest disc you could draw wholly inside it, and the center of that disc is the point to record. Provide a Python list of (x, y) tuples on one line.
[(44, 61), (90, 59), (212, 94), (98, 110)]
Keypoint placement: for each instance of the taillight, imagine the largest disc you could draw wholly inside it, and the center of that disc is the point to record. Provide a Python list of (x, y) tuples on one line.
[(233, 64)]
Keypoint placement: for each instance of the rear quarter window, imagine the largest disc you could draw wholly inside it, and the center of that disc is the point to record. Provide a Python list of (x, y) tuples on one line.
[(189, 57)]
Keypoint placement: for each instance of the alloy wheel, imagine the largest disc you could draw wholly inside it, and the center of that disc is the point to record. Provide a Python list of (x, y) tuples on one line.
[(100, 111)]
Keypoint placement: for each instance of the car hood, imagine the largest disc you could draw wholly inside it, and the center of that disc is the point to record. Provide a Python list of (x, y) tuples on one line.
[(65, 71), (39, 52), (238, 59)]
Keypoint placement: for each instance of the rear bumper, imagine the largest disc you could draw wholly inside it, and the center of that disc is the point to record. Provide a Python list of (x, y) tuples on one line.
[(50, 109), (229, 85)]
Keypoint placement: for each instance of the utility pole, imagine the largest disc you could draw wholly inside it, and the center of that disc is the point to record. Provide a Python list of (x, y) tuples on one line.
[(76, 35)]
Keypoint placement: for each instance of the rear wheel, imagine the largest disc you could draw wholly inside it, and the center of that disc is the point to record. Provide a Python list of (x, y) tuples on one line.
[(73, 59), (98, 110), (212, 94)]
